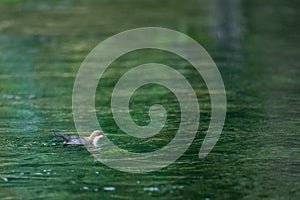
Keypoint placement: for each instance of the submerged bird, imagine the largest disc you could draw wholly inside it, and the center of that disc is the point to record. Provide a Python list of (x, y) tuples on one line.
[(77, 140)]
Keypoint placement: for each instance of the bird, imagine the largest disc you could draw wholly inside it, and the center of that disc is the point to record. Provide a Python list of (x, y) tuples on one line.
[(77, 140)]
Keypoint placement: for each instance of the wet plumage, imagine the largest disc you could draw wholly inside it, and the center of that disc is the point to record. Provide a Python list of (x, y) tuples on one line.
[(77, 140)]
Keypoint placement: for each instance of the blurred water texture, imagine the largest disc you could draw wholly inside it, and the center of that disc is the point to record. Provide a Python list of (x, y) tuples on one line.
[(255, 45)]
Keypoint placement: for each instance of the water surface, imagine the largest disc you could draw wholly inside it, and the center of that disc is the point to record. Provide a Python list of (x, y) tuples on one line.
[(255, 45)]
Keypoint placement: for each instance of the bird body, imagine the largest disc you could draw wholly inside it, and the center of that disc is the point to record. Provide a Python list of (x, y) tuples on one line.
[(77, 140)]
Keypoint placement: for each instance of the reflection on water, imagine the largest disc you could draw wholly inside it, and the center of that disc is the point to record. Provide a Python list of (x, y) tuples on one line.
[(255, 45)]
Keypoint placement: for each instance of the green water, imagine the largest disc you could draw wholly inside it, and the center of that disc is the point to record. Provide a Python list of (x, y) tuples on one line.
[(255, 45)]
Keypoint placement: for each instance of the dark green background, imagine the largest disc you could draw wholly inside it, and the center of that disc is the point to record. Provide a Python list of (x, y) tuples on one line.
[(255, 45)]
